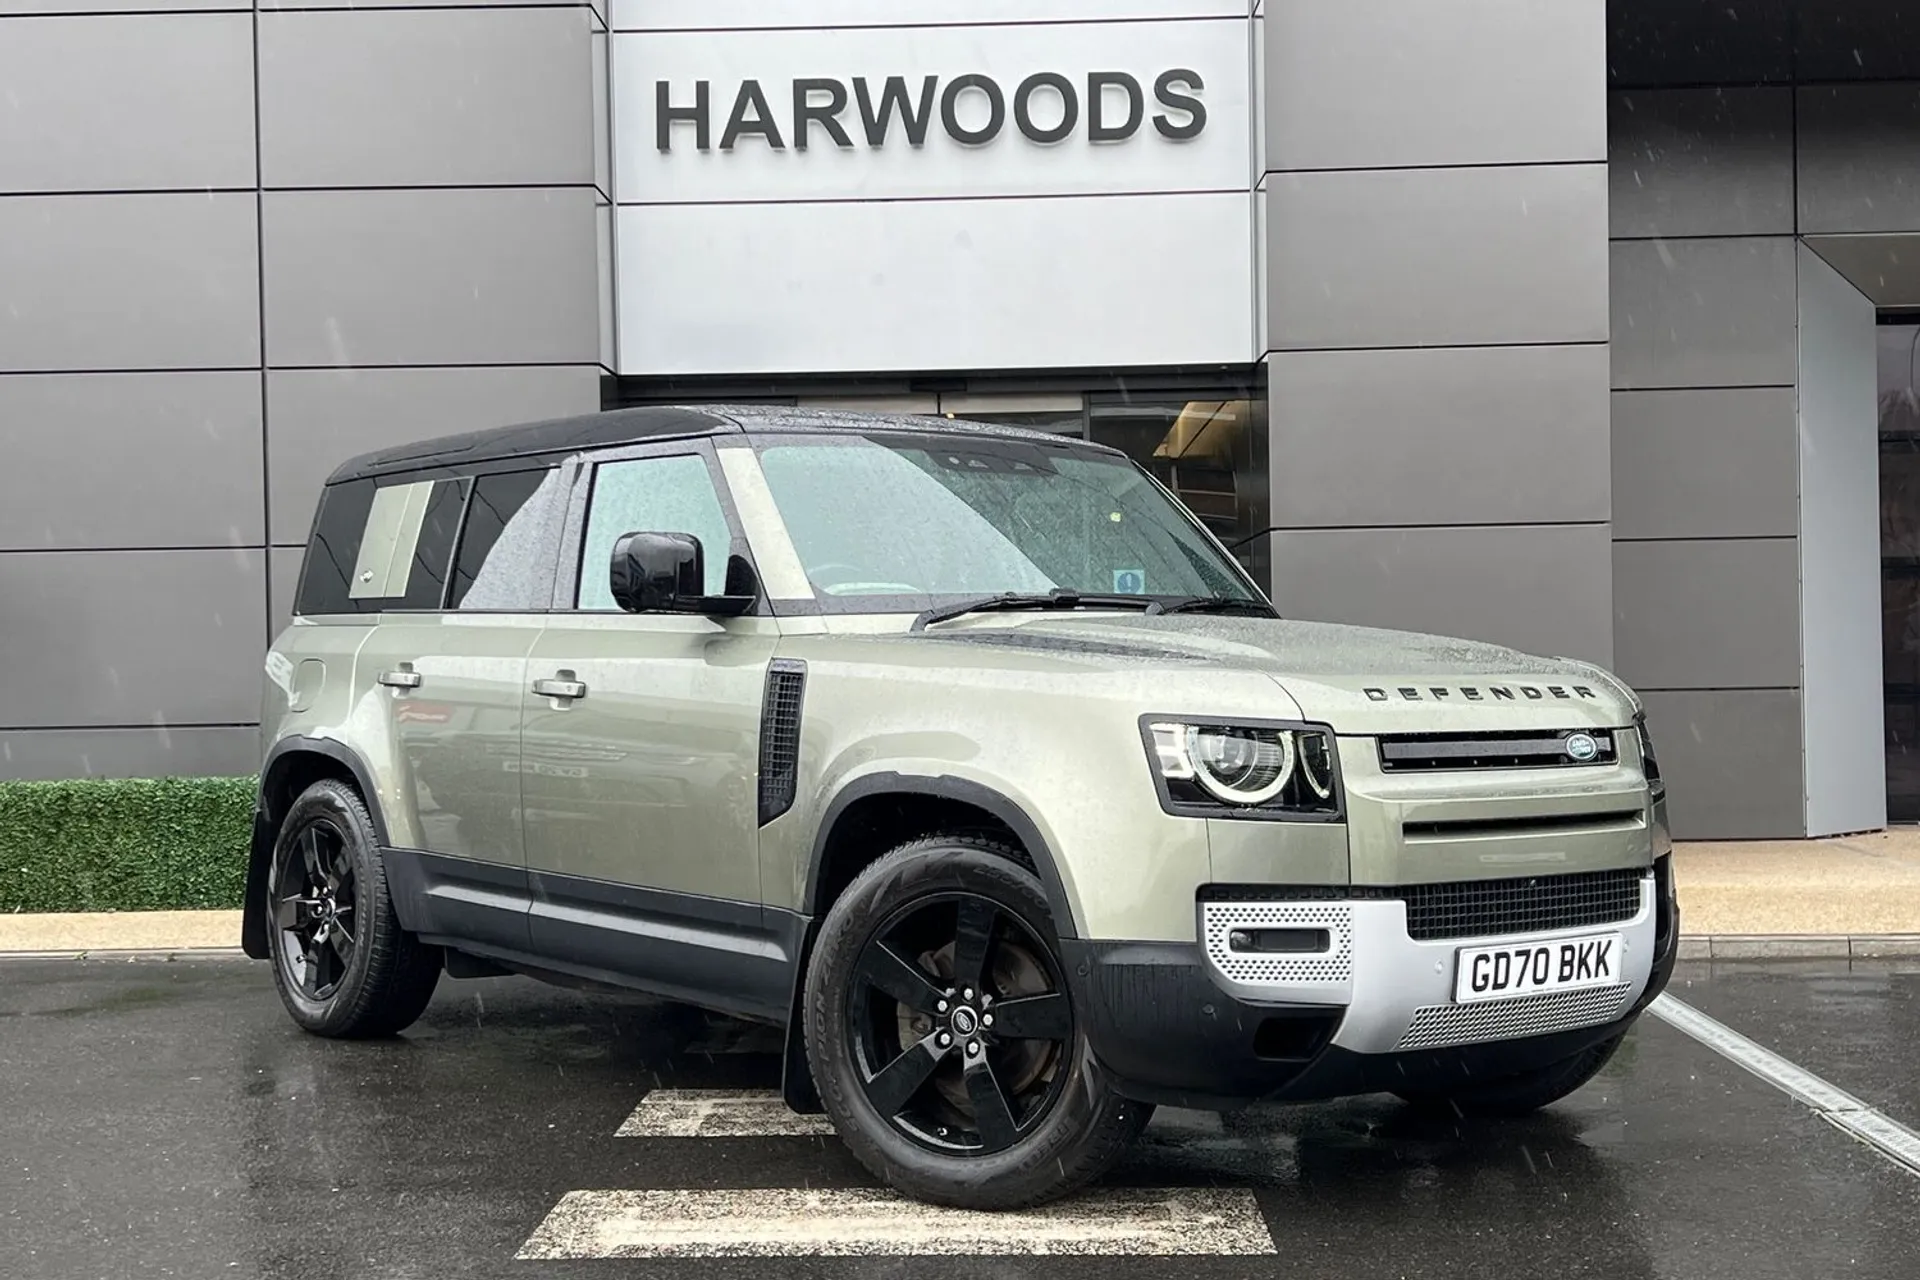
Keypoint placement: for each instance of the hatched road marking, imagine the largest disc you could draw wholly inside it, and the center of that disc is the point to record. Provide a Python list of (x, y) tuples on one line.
[(719, 1113), (763, 1113), (737, 1224), (1830, 1102)]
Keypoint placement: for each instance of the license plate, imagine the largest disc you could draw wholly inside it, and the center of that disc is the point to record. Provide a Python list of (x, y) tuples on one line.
[(1530, 968)]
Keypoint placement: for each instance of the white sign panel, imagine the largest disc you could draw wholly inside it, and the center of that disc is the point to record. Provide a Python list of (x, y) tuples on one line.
[(936, 284), (898, 113), (710, 15), (909, 197)]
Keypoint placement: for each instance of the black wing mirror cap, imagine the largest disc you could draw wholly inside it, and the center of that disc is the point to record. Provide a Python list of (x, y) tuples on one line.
[(667, 573)]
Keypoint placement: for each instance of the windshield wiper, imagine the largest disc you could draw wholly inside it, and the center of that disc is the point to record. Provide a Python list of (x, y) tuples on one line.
[(1058, 598), (1218, 604)]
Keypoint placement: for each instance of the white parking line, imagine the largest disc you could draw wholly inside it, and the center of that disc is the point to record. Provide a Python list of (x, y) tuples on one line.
[(766, 1224), (763, 1113), (719, 1113), (1834, 1105)]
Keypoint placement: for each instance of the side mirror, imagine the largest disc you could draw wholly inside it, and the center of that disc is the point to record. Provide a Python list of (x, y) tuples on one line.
[(667, 573)]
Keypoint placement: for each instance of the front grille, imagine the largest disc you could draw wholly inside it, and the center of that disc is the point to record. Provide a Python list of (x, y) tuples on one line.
[(1533, 904), (1546, 749), (1436, 1026)]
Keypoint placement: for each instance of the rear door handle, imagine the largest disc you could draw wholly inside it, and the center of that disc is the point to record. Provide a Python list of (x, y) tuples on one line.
[(403, 678), (560, 688)]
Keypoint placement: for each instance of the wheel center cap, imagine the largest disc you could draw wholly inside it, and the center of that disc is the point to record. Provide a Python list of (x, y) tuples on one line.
[(965, 1021)]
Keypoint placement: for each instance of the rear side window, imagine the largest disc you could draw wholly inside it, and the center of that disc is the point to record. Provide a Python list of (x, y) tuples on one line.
[(501, 541), (381, 547)]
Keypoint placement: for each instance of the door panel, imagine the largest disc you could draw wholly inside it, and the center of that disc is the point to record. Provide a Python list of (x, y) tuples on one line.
[(640, 744), (641, 806), (451, 703), (650, 777)]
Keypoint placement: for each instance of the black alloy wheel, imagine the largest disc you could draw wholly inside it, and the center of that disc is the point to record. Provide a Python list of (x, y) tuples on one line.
[(313, 908), (960, 1024), (942, 1035), (342, 964)]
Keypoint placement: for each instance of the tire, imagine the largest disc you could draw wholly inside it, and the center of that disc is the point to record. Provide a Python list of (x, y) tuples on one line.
[(1527, 1092), (948, 1143), (344, 967)]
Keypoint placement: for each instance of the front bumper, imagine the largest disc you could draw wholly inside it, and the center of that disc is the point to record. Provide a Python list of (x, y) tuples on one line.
[(1187, 1025)]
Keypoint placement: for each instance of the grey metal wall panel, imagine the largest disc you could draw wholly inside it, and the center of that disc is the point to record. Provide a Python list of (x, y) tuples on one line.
[(1701, 162), (128, 282), (130, 460), (1721, 614), (1385, 83), (1859, 157), (1441, 436), (431, 277), (17, 8), (283, 564), (1435, 257), (1857, 40), (1885, 267), (1722, 463), (1542, 589), (319, 418), (1703, 313), (295, 6), (427, 97), (1732, 762), (133, 638), (1841, 688), (127, 103), (129, 753), (1699, 41)]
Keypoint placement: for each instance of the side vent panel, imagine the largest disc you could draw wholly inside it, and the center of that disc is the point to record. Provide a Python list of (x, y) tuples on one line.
[(780, 736)]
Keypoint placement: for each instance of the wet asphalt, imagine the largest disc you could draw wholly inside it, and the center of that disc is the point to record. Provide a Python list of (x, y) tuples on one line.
[(164, 1118)]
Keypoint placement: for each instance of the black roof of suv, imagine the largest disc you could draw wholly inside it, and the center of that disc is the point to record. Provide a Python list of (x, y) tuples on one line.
[(556, 436)]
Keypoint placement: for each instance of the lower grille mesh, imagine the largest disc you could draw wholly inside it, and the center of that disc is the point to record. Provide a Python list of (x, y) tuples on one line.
[(1438, 1025), (1533, 904)]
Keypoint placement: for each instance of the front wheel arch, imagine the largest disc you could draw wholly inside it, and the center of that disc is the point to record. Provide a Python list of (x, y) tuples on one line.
[(826, 875), (907, 789)]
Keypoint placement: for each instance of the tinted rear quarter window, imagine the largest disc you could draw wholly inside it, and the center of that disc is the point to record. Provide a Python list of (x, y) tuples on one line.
[(334, 548), (421, 560)]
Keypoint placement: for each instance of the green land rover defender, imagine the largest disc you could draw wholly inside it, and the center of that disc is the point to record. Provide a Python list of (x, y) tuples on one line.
[(966, 755)]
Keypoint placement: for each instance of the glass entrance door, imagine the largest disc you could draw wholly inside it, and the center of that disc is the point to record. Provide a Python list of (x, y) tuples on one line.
[(1900, 563)]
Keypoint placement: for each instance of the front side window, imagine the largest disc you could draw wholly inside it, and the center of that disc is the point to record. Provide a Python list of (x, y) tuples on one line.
[(883, 515), (651, 495)]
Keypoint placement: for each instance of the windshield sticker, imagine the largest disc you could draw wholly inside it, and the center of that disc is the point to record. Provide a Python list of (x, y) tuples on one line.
[(1130, 582)]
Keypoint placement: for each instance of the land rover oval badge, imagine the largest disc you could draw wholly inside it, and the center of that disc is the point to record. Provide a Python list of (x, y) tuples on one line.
[(1581, 747)]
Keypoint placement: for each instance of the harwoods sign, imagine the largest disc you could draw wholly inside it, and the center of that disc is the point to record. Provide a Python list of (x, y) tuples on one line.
[(1046, 107)]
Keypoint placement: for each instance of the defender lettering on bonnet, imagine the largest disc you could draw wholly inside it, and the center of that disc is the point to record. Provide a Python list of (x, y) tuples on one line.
[(1478, 693)]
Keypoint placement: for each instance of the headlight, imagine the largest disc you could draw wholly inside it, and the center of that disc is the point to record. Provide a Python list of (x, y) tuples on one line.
[(1244, 769)]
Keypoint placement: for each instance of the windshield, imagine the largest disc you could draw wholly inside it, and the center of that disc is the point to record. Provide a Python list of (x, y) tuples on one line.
[(932, 518)]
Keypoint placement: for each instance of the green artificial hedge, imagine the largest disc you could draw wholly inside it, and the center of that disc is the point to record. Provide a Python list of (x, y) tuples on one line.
[(132, 844)]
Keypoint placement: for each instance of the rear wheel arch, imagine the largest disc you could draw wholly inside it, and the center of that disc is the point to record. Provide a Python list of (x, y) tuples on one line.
[(291, 767)]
